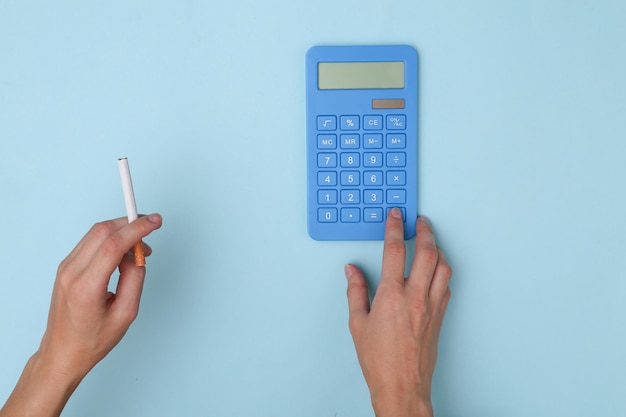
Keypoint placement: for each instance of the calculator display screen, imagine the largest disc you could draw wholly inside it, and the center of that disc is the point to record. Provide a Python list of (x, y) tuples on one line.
[(360, 75)]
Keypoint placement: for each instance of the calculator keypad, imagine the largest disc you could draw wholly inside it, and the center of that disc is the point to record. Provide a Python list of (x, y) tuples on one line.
[(361, 167)]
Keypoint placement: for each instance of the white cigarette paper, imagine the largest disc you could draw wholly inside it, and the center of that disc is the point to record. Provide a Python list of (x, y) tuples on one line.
[(127, 189)]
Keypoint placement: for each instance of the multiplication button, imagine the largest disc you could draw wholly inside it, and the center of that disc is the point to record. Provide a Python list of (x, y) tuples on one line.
[(396, 178)]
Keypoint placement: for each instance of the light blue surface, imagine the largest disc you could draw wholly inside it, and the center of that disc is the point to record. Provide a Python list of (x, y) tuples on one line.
[(522, 150), (352, 219)]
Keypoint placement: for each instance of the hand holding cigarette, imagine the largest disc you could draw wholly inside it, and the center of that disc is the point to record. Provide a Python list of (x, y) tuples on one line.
[(131, 206), (86, 320)]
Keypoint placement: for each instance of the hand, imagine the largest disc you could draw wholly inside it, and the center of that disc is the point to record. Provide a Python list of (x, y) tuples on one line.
[(85, 320), (396, 338)]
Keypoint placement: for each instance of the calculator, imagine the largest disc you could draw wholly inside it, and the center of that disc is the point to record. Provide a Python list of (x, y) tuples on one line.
[(361, 128)]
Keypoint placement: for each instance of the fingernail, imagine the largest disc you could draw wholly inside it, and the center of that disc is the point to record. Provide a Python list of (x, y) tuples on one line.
[(395, 212), (424, 220), (347, 271), (154, 217)]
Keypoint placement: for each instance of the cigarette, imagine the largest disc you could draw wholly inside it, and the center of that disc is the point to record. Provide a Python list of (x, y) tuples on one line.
[(131, 206)]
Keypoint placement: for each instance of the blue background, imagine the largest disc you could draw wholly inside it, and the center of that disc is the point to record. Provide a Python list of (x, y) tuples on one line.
[(521, 154)]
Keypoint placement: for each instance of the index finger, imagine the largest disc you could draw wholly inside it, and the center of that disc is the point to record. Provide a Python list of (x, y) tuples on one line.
[(394, 251), (89, 244)]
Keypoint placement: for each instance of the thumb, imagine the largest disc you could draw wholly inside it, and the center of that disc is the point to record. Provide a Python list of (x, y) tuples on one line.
[(129, 289), (358, 299)]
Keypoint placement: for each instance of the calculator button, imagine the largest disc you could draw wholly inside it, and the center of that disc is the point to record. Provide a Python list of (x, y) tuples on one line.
[(373, 178), (402, 209), (396, 196), (327, 215), (349, 122), (396, 141), (396, 178), (373, 196), (349, 142), (396, 122), (350, 215), (372, 122), (327, 197), (350, 178), (326, 123), (326, 178), (372, 159), (350, 197), (372, 215), (373, 141), (326, 141), (396, 159), (349, 160), (326, 160)]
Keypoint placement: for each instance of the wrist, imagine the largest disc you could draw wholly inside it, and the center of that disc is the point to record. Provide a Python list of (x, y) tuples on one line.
[(48, 368), (62, 361), (41, 390), (402, 405)]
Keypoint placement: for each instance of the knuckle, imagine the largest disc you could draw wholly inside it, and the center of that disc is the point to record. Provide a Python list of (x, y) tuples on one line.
[(112, 246), (391, 296), (446, 270), (354, 324), (102, 229), (65, 274), (62, 268), (421, 307), (395, 248), (131, 315), (356, 287), (429, 253), (126, 316), (77, 294)]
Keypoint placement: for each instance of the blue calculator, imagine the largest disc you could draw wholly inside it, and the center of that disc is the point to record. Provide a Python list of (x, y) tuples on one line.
[(361, 126)]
